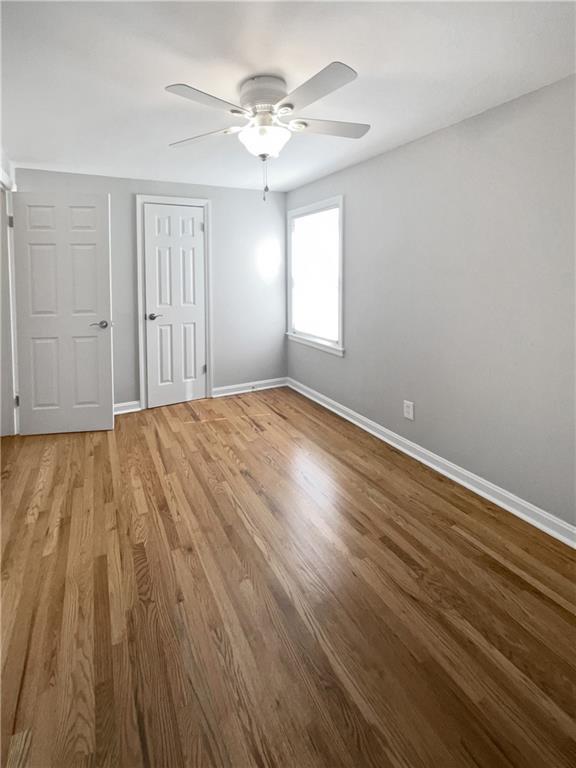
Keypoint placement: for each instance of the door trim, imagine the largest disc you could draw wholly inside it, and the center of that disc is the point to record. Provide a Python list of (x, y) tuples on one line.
[(8, 243), (141, 200)]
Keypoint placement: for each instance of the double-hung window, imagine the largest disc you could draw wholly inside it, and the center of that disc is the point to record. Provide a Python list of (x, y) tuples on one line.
[(315, 275)]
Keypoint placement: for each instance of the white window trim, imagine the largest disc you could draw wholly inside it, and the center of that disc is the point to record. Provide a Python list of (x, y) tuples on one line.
[(334, 348)]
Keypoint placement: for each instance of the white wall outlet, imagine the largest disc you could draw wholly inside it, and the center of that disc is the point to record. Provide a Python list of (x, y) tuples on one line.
[(409, 410)]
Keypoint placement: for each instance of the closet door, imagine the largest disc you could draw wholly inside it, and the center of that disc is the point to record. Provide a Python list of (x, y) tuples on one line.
[(175, 303), (63, 310)]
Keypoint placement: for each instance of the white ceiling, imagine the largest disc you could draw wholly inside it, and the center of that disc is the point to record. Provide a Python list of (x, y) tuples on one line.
[(83, 83)]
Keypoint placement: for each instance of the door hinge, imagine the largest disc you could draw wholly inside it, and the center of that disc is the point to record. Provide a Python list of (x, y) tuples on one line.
[(204, 368), (11, 221), (17, 401), (201, 226)]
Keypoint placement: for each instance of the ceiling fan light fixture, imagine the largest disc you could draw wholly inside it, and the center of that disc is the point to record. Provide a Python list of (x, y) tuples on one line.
[(268, 140)]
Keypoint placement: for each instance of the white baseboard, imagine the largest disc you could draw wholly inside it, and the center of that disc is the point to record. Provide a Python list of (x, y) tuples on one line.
[(232, 389), (133, 405), (541, 519), (249, 386)]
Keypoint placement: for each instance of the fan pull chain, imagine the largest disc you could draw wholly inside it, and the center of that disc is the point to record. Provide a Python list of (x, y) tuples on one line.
[(265, 176)]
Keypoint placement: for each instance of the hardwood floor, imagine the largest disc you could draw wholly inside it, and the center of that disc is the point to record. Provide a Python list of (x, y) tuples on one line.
[(253, 581)]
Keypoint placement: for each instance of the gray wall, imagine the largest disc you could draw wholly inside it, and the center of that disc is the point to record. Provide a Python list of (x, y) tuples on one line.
[(248, 274), (459, 295)]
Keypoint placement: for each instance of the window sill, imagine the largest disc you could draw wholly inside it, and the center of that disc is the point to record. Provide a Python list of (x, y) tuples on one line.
[(324, 346)]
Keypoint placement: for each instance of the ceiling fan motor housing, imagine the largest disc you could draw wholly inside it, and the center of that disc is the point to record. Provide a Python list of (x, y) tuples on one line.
[(262, 91)]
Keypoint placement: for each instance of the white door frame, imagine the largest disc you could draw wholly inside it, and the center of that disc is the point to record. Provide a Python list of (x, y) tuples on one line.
[(8, 243), (141, 200), (8, 184)]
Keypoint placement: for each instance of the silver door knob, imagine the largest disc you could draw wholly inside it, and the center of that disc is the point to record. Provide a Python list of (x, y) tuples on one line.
[(153, 316), (101, 324)]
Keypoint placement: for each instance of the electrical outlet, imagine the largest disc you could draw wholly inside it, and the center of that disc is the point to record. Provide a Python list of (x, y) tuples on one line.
[(409, 410)]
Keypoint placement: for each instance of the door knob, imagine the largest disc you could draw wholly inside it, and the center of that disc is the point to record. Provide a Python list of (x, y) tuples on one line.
[(101, 324), (153, 316)]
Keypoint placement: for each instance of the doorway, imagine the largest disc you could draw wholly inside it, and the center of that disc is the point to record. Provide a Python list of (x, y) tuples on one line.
[(63, 312), (173, 300)]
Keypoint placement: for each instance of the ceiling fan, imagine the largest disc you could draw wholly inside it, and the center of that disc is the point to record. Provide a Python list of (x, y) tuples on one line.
[(268, 110)]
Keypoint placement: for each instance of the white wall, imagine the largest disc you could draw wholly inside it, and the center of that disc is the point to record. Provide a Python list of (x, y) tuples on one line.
[(248, 274), (459, 295)]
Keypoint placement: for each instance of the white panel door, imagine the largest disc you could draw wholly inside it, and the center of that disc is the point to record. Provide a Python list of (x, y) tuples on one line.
[(63, 312), (175, 303)]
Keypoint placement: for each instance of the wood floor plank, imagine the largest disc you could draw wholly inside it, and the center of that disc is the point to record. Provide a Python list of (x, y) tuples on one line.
[(253, 582)]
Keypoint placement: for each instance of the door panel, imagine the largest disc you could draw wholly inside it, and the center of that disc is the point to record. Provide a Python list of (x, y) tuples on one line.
[(43, 278), (164, 262), (189, 351), (165, 354), (84, 279), (175, 293), (85, 354), (62, 270), (45, 373), (188, 293), (41, 217)]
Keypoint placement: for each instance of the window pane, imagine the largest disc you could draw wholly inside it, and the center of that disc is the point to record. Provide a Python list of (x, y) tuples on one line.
[(315, 274)]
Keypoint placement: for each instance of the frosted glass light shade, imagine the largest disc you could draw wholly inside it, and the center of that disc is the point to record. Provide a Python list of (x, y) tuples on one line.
[(264, 139)]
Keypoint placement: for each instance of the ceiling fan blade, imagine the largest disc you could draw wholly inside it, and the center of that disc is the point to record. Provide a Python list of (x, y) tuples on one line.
[(329, 79), (223, 132), (329, 127), (206, 99)]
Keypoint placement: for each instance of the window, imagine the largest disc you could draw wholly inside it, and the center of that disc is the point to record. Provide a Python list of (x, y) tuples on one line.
[(315, 275)]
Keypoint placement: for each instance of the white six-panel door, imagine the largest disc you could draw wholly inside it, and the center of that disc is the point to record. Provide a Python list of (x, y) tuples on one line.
[(175, 303), (63, 312)]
